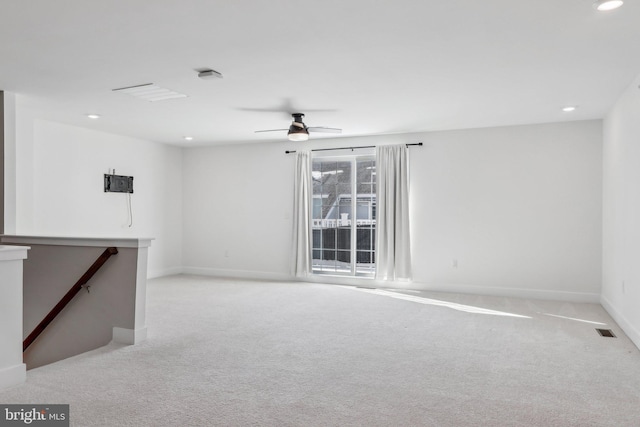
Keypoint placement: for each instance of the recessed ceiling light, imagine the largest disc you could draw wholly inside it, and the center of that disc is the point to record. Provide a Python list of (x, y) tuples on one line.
[(93, 116), (569, 108), (604, 5), (188, 138)]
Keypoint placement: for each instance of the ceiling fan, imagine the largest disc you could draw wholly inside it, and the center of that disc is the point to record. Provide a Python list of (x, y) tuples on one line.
[(298, 131)]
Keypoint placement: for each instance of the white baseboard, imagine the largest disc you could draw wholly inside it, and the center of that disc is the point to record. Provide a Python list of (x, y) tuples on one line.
[(237, 274), (544, 294), (625, 325), (166, 272), (13, 376), (129, 336)]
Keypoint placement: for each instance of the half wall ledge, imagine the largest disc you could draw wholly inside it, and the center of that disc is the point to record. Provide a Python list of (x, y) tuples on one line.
[(119, 242)]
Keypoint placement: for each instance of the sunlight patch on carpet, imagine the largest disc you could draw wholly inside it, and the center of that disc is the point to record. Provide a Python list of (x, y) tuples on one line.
[(573, 318), (429, 301)]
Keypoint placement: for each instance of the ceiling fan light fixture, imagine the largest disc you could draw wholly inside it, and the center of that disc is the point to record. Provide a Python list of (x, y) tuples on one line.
[(297, 133), (604, 5), (298, 137)]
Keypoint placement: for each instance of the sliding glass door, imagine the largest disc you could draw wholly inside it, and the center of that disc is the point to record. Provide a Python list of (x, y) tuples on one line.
[(344, 215)]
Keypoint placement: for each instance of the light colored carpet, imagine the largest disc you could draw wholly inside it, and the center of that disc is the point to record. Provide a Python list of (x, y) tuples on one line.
[(241, 353)]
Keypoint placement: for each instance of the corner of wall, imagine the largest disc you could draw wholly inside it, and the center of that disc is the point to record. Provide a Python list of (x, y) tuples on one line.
[(629, 329), (620, 209)]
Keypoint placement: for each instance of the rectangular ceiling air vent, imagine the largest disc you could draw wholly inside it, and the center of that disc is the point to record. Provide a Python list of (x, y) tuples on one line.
[(207, 73), (606, 333), (150, 92)]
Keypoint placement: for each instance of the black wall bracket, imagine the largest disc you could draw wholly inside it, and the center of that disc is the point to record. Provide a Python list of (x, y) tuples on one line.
[(118, 184)]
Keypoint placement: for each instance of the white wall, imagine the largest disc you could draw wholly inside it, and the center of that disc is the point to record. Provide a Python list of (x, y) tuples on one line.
[(9, 154), (237, 203), (24, 174), (515, 207), (519, 208), (60, 187), (621, 236)]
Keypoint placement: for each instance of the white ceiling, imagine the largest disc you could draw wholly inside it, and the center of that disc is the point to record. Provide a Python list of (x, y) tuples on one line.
[(366, 66)]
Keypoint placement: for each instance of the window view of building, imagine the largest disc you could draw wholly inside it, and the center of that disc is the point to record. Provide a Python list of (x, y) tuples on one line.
[(344, 215)]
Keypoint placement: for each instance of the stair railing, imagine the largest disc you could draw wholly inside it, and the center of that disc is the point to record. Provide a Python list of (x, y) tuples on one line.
[(66, 299)]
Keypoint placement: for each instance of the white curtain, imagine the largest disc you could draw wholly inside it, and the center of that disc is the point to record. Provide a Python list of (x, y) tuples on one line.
[(301, 213), (393, 252)]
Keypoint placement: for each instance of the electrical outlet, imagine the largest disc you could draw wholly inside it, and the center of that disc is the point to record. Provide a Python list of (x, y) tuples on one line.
[(454, 263)]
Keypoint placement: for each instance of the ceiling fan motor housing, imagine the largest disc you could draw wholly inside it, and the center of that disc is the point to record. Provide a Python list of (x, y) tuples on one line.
[(297, 117)]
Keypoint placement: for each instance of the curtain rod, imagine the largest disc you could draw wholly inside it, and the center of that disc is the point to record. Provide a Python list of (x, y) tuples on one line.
[(347, 148)]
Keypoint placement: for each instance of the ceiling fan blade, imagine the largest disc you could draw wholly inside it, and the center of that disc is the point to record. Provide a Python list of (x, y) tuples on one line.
[(324, 129), (271, 130)]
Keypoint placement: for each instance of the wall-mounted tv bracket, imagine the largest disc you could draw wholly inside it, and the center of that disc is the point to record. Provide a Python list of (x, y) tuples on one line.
[(118, 183)]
